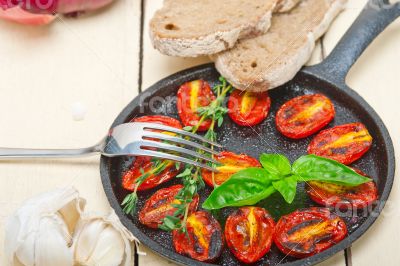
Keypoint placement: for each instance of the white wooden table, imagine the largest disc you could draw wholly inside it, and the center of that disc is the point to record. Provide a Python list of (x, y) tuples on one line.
[(100, 62)]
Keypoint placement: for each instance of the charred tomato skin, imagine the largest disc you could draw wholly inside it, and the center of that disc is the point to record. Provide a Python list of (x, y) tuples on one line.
[(306, 232), (192, 95), (342, 197), (249, 233), (204, 241), (159, 119), (305, 115), (231, 163), (146, 163), (248, 108), (158, 206), (345, 143)]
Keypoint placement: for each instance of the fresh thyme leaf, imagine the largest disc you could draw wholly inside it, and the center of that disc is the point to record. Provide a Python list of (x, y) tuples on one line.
[(158, 170), (220, 121), (126, 199), (129, 203), (185, 173)]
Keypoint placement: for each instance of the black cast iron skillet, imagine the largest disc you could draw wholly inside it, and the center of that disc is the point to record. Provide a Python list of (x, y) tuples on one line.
[(327, 78)]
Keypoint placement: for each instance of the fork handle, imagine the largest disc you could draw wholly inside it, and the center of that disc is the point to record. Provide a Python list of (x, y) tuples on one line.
[(10, 153)]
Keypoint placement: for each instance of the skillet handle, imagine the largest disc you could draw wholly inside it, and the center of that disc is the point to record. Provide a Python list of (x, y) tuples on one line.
[(374, 18)]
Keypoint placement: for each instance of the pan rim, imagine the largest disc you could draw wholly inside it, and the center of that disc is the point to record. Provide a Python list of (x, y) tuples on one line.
[(180, 259)]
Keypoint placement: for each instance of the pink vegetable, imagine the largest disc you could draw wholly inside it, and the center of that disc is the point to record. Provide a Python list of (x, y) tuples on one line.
[(16, 14), (55, 6)]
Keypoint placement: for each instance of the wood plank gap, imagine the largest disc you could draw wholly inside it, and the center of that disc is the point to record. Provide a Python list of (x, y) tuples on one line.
[(142, 17), (140, 80), (136, 258), (347, 257)]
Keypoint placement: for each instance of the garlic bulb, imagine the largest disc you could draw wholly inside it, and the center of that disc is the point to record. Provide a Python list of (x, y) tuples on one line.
[(102, 241), (52, 229), (38, 235)]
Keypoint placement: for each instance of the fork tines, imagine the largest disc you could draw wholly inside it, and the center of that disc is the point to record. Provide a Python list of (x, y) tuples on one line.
[(174, 152), (149, 126)]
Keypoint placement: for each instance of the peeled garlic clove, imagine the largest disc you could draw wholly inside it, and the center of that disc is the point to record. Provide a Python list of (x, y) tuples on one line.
[(52, 243), (22, 228), (103, 241)]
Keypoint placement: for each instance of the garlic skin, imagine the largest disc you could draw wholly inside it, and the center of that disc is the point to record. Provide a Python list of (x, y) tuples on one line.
[(37, 235), (52, 229), (103, 241), (51, 239)]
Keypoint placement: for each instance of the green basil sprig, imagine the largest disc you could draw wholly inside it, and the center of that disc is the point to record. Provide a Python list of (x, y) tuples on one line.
[(251, 185)]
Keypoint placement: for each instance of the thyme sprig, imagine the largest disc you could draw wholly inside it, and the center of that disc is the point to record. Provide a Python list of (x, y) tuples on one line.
[(191, 175), (130, 201)]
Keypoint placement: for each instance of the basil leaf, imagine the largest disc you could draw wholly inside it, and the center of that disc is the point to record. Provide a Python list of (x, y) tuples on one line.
[(316, 168), (287, 188), (276, 164), (246, 187)]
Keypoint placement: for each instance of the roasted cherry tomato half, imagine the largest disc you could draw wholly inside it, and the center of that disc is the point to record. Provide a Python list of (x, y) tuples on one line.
[(306, 232), (248, 233), (343, 197), (248, 108), (159, 205), (230, 164), (148, 165), (304, 115), (345, 143), (203, 241), (159, 119), (191, 96), (157, 172)]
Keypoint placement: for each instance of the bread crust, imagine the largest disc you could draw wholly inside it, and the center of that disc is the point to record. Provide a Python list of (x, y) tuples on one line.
[(285, 5), (288, 66), (208, 44), (186, 40)]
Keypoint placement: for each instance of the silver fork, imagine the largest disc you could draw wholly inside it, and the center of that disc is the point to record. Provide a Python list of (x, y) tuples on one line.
[(135, 139)]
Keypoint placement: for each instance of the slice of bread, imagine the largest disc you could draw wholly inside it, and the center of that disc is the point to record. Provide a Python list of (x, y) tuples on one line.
[(190, 28), (270, 60), (285, 5)]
